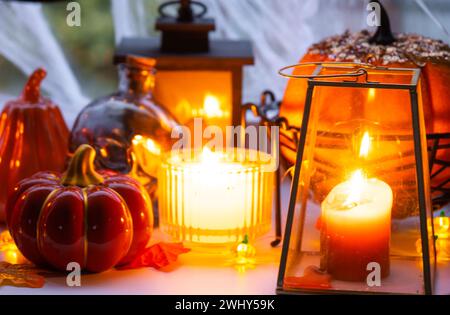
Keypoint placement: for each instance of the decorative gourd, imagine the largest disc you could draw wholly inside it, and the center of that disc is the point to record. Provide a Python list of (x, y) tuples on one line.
[(408, 51), (33, 137), (382, 49), (96, 219)]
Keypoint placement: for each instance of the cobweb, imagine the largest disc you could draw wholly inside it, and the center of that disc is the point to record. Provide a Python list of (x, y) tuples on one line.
[(280, 31), (28, 42)]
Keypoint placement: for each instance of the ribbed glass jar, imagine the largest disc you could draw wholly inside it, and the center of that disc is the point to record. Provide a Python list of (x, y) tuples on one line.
[(215, 198)]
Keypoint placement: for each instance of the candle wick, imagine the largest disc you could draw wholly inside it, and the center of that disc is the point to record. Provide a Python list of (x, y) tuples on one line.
[(348, 205)]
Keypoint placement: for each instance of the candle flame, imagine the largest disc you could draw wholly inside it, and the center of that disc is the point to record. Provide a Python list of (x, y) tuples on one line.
[(371, 94), (211, 107), (210, 157), (356, 187), (365, 145)]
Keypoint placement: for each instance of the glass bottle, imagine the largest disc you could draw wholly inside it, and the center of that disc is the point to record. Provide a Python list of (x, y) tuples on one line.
[(128, 129)]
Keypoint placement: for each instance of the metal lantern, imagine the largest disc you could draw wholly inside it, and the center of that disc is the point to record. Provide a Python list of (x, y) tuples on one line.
[(196, 76), (341, 236)]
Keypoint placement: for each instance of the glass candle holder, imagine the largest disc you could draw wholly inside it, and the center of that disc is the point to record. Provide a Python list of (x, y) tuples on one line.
[(350, 226), (216, 198)]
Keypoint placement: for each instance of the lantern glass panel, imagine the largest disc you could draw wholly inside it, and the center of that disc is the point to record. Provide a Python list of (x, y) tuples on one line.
[(192, 94), (348, 231)]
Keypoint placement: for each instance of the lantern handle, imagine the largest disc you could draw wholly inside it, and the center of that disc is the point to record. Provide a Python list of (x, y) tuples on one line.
[(361, 70), (185, 11)]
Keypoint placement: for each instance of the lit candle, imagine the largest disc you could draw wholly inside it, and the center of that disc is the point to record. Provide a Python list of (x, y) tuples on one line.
[(356, 224), (214, 200), (356, 227), (212, 111)]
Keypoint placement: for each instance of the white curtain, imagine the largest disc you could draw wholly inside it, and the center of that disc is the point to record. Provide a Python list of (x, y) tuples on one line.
[(130, 18), (280, 30), (28, 42)]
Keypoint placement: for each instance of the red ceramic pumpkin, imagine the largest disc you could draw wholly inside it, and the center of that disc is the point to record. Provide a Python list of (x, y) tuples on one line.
[(97, 219), (30, 128)]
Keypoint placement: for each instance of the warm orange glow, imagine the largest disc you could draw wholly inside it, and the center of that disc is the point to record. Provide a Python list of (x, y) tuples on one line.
[(371, 94), (6, 241), (356, 186), (210, 158), (9, 249), (357, 214), (442, 246), (365, 145), (215, 198), (212, 108), (358, 178), (146, 153), (245, 253), (442, 226), (146, 143), (443, 223), (184, 92)]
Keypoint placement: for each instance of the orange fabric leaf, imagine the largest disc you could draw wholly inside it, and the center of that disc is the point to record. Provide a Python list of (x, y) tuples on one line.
[(157, 256), (20, 275)]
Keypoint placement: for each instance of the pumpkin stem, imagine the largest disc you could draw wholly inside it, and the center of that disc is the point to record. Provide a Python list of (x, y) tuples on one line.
[(383, 35), (81, 171), (32, 91)]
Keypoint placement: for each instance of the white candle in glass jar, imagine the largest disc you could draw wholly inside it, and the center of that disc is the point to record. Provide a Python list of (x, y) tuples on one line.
[(214, 201)]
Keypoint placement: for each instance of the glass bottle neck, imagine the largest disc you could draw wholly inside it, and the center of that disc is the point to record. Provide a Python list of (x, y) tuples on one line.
[(136, 81)]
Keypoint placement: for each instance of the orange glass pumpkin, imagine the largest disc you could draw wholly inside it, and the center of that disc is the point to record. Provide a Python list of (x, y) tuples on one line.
[(406, 51), (33, 137)]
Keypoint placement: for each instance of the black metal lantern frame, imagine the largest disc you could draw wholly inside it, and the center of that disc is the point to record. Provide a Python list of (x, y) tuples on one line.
[(290, 137), (436, 143), (425, 212), (267, 111)]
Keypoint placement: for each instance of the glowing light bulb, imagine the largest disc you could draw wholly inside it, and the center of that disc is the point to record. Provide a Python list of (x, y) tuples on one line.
[(245, 252), (442, 225)]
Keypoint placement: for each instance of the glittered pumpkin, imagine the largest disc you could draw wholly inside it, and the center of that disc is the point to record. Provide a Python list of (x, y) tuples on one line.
[(33, 137), (405, 51), (97, 219)]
